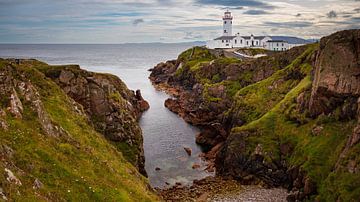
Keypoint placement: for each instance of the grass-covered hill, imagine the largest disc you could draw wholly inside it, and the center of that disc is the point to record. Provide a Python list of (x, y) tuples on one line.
[(289, 119), (55, 146)]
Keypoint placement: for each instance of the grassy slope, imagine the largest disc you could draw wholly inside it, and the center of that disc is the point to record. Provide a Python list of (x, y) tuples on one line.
[(87, 168), (269, 110), (268, 114)]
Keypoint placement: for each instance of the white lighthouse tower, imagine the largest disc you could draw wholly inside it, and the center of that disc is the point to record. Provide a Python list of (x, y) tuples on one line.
[(227, 24)]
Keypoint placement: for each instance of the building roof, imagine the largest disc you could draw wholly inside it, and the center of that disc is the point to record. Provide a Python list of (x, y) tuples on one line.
[(255, 37), (225, 38)]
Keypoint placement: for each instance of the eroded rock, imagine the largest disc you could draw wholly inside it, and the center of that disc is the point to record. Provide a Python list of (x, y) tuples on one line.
[(10, 177)]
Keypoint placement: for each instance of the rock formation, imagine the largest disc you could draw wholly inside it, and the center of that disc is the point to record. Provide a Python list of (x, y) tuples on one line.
[(69, 134), (289, 119)]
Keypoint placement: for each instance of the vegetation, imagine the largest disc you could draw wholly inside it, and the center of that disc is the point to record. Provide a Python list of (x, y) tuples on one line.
[(270, 116), (79, 165)]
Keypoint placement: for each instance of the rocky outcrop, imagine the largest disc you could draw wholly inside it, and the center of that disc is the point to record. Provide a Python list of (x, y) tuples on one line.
[(278, 116), (13, 85), (69, 134), (337, 73), (111, 107), (105, 99)]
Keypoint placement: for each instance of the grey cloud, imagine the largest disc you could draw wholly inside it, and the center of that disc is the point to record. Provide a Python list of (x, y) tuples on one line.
[(237, 3), (331, 14), (291, 24), (205, 20), (138, 21), (255, 12), (192, 36)]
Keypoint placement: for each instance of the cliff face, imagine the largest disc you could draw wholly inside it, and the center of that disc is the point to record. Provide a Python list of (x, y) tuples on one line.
[(53, 120), (289, 119), (110, 106)]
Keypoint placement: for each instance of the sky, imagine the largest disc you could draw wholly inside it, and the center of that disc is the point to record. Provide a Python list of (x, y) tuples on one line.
[(139, 21)]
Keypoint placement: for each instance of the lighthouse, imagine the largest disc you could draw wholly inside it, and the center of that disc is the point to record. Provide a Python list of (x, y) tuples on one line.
[(227, 24)]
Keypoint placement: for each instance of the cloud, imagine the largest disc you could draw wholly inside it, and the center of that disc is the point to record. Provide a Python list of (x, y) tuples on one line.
[(205, 20), (290, 24), (192, 36), (331, 14), (115, 21), (255, 12), (138, 21), (237, 3)]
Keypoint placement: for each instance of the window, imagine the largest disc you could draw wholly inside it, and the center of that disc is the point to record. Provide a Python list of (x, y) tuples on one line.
[(222, 41), (230, 22), (240, 40), (282, 44), (257, 43), (235, 41), (247, 42), (224, 30), (224, 22), (277, 44)]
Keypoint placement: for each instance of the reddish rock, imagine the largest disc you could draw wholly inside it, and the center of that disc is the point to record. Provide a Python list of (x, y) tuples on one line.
[(188, 150), (195, 166)]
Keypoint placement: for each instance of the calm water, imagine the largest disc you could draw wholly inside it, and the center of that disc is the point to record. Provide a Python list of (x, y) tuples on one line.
[(165, 134)]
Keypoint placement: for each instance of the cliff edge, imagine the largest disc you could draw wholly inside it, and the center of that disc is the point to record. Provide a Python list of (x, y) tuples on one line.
[(289, 119), (68, 134)]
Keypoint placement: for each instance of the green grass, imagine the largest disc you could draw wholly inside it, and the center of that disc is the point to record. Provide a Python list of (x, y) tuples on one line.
[(79, 166), (272, 119)]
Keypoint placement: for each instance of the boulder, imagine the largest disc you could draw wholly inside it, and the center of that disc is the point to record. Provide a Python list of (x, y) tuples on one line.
[(10, 177), (188, 150)]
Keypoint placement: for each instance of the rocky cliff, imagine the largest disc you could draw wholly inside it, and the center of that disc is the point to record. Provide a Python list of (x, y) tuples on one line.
[(68, 134), (289, 119)]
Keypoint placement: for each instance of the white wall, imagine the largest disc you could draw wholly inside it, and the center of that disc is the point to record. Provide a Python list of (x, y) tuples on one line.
[(227, 25), (277, 46), (219, 44)]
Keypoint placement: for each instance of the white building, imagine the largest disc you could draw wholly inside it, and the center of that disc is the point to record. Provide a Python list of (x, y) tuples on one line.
[(227, 40), (277, 45)]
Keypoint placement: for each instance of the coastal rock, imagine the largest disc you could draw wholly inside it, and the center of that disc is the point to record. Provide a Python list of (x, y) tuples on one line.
[(37, 184), (10, 177), (188, 150), (16, 107), (2, 194), (195, 166), (111, 107), (337, 71)]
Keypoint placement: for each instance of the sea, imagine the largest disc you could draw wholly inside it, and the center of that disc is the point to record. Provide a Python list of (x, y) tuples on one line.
[(165, 134)]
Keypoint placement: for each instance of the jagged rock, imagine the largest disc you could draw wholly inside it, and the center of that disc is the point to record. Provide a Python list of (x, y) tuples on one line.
[(309, 187), (337, 71), (317, 130), (143, 104), (110, 106), (32, 95), (2, 194), (66, 76), (6, 151), (195, 166), (10, 177), (37, 184), (16, 107), (188, 150)]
